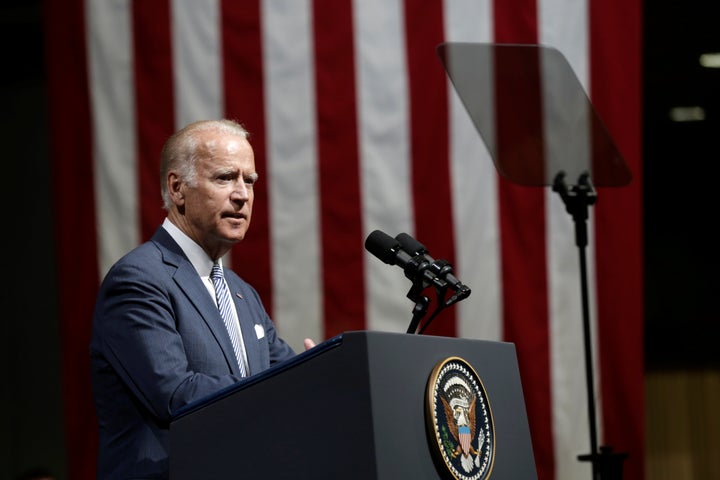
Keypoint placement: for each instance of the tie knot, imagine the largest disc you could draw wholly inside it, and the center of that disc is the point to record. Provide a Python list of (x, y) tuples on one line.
[(216, 271)]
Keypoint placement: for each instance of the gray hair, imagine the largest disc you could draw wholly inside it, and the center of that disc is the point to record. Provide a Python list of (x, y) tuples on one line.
[(185, 146)]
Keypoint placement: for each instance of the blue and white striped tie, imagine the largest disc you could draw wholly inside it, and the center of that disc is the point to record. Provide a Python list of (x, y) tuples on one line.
[(224, 305)]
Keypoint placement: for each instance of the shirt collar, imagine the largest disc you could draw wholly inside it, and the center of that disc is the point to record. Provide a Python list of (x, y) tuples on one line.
[(194, 252)]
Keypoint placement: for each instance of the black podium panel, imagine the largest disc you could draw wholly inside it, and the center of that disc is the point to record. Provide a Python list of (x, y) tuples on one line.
[(352, 409)]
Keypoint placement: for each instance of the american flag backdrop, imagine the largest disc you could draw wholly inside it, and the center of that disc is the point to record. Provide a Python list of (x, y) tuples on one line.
[(356, 127)]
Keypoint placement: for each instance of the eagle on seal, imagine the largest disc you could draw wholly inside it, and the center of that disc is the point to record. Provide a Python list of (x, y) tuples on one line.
[(462, 425)]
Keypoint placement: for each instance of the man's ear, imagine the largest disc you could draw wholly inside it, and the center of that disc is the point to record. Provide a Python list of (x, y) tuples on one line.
[(176, 189)]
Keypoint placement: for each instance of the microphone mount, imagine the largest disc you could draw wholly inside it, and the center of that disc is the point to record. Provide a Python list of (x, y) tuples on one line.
[(422, 270)]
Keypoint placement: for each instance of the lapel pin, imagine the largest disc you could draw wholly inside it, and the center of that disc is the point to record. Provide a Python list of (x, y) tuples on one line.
[(239, 296)]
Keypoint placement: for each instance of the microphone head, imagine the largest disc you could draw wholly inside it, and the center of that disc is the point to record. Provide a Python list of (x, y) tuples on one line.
[(410, 245), (383, 246)]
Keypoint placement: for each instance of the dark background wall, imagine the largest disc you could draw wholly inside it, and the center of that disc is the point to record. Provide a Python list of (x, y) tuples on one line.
[(682, 324), (31, 423), (680, 191)]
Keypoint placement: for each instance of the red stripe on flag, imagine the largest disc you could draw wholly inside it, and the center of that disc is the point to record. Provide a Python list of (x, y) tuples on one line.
[(519, 116), (525, 308), (523, 250), (74, 215), (244, 101), (616, 91), (340, 203), (429, 140), (515, 21), (154, 104)]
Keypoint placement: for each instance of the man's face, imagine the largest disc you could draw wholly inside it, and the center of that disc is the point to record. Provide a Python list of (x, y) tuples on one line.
[(217, 209)]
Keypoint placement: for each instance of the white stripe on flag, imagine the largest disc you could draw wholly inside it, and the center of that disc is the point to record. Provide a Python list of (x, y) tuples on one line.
[(474, 190), (569, 402), (197, 64), (292, 169), (197, 57), (384, 152), (112, 103)]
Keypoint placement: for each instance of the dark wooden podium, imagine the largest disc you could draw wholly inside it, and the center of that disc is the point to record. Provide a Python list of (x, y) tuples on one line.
[(354, 407)]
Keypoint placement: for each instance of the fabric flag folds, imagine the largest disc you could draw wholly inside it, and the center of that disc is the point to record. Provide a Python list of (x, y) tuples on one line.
[(356, 128)]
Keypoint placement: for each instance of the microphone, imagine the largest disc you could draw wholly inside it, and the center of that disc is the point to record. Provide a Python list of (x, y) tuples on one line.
[(390, 251), (440, 268)]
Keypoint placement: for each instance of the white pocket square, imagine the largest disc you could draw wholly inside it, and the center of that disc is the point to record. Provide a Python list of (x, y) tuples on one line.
[(259, 331)]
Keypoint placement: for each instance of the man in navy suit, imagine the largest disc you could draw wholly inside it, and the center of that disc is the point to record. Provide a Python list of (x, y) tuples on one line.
[(159, 341)]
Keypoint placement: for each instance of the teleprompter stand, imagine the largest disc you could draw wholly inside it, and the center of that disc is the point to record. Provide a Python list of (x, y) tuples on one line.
[(558, 140), (606, 464)]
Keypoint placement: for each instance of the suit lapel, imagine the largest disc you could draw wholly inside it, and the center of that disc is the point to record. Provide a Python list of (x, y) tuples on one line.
[(188, 280)]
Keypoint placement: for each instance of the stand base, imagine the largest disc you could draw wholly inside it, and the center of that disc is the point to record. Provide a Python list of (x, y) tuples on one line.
[(607, 465)]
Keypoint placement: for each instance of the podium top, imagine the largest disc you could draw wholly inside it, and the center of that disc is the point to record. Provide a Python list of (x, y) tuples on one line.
[(533, 114)]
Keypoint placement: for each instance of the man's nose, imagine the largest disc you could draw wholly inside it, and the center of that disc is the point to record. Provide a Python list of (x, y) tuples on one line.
[(241, 191)]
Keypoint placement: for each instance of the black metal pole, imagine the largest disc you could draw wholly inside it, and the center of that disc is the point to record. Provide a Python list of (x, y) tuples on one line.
[(606, 465), (590, 382)]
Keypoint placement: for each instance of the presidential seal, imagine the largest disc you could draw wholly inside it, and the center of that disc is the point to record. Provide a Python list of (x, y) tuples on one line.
[(459, 421)]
